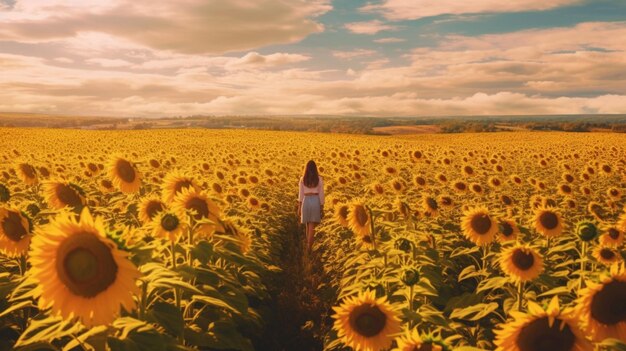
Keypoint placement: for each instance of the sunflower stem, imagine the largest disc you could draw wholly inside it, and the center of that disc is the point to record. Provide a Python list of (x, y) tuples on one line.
[(144, 297), (520, 295), (583, 257), (372, 228), (22, 264), (173, 254)]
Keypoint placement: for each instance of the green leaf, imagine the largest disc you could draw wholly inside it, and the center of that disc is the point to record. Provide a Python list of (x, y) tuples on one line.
[(168, 316), (17, 307), (474, 313)]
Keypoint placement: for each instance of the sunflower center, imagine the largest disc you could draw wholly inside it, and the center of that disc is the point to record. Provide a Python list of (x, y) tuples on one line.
[(506, 229), (538, 335), (343, 212), (549, 220), (423, 347), (181, 184), (608, 306), (85, 265), (200, 206), (614, 233), (481, 223), (68, 196), (169, 222), (523, 260), (126, 171), (28, 171), (361, 215), (12, 226), (367, 320), (153, 208), (607, 254), (431, 203)]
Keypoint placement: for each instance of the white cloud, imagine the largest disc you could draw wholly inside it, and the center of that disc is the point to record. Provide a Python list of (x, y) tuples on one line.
[(389, 40), (348, 55), (398, 10), (189, 26), (369, 27)]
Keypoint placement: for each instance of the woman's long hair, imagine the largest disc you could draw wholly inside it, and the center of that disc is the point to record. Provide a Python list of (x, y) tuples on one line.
[(310, 177)]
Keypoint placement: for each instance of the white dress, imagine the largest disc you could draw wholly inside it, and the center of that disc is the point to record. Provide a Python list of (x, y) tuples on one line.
[(311, 211)]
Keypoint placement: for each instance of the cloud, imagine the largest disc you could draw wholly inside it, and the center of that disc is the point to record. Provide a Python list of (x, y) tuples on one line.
[(389, 40), (348, 55), (189, 26), (398, 10), (369, 27), (109, 63)]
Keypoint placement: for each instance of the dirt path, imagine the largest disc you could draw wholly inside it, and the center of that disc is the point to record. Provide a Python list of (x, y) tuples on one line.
[(299, 314)]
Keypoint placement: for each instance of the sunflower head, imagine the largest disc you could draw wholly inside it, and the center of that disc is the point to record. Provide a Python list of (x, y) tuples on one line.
[(167, 224), (548, 222), (414, 341), (359, 219), (607, 255), (200, 209), (62, 194), (124, 174), (508, 230), (80, 271), (586, 230), (479, 226), (601, 307), (521, 263), (15, 232), (410, 276), (542, 330), (174, 182), (149, 208), (612, 236), (403, 244), (365, 322)]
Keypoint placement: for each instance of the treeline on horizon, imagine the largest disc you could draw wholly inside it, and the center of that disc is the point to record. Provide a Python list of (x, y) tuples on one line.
[(332, 124)]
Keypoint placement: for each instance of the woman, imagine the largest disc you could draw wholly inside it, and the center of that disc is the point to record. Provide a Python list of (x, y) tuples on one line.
[(311, 200)]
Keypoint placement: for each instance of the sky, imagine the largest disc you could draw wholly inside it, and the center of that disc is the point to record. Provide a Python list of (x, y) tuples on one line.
[(158, 58)]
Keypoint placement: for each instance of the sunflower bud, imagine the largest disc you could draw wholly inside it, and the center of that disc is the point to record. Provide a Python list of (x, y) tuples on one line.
[(410, 276), (33, 209), (586, 231), (403, 245)]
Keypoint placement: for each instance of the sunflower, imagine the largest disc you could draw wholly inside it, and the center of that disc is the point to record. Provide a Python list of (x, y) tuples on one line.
[(80, 272), (413, 341), (613, 236), (341, 215), (174, 182), (149, 208), (27, 174), (606, 255), (548, 222), (430, 206), (167, 224), (600, 306), (508, 230), (478, 226), (459, 186), (199, 207), (359, 219), (521, 263), (366, 241), (62, 194), (366, 323), (542, 330), (15, 232), (124, 175)]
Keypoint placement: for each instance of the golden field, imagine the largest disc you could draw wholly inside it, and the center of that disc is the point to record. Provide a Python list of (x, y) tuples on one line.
[(177, 239)]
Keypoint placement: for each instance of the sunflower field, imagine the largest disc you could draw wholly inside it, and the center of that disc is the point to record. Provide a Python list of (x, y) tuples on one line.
[(180, 240)]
